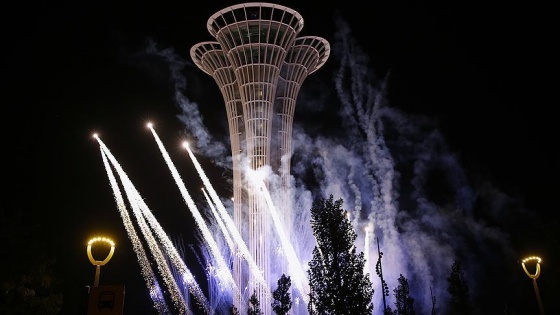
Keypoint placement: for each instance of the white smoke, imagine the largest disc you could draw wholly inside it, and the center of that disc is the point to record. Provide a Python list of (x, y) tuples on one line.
[(190, 113), (383, 162), (393, 171)]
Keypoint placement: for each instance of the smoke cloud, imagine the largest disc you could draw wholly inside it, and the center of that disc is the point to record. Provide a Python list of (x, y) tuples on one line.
[(393, 170)]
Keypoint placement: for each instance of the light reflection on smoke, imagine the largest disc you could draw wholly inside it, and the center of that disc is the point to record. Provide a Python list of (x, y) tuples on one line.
[(393, 171)]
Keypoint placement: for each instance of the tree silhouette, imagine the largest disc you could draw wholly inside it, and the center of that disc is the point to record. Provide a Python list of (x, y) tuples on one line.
[(282, 302), (254, 305), (459, 302), (404, 303), (336, 272), (28, 284), (433, 302), (384, 287)]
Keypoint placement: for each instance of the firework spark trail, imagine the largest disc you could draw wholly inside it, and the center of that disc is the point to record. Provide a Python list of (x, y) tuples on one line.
[(134, 200), (229, 223), (366, 249), (220, 297), (296, 271), (363, 106), (155, 249), (427, 237), (381, 141), (161, 262), (192, 117), (222, 266), (175, 258), (145, 268), (223, 228)]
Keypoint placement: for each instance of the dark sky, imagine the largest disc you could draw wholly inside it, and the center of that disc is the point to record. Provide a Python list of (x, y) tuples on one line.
[(482, 72)]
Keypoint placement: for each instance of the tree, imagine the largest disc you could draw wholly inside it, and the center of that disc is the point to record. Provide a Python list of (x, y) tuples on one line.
[(384, 287), (459, 302), (404, 303), (28, 284), (337, 281), (254, 305), (433, 302), (282, 301)]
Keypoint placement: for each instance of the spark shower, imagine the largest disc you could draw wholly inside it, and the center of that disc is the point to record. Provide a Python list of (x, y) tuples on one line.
[(379, 161)]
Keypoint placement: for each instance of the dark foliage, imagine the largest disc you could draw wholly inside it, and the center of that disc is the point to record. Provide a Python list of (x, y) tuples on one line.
[(433, 302), (459, 302), (254, 305), (384, 287), (404, 303), (336, 272), (27, 282), (282, 302)]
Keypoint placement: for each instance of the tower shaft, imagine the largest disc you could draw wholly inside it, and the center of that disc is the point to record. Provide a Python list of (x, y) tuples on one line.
[(259, 64)]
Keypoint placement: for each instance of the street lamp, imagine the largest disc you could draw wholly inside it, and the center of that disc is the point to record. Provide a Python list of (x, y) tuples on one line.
[(534, 277), (99, 263)]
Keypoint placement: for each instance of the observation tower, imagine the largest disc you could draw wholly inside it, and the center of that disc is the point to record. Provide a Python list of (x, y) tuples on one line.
[(259, 64)]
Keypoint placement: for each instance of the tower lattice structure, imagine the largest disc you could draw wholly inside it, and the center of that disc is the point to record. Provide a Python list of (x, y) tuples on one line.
[(259, 64)]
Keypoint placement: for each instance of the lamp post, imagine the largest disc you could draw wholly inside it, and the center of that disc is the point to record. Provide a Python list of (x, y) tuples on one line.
[(534, 277), (99, 263)]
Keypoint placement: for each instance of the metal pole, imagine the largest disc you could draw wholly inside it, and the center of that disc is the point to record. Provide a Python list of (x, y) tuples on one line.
[(538, 296), (96, 279), (534, 277), (99, 263)]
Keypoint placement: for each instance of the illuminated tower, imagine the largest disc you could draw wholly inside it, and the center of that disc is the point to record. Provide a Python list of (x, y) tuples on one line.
[(259, 64)]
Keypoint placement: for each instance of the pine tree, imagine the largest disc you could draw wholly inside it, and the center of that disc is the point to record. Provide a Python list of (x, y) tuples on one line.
[(459, 302), (254, 305), (433, 302), (404, 303), (336, 272), (282, 301)]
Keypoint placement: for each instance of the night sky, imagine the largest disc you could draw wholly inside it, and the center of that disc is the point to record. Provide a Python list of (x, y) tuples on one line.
[(481, 73)]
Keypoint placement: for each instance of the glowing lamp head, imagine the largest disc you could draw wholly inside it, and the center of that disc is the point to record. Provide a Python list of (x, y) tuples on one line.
[(537, 260), (186, 144), (150, 125), (530, 259), (95, 240), (101, 240), (95, 136)]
